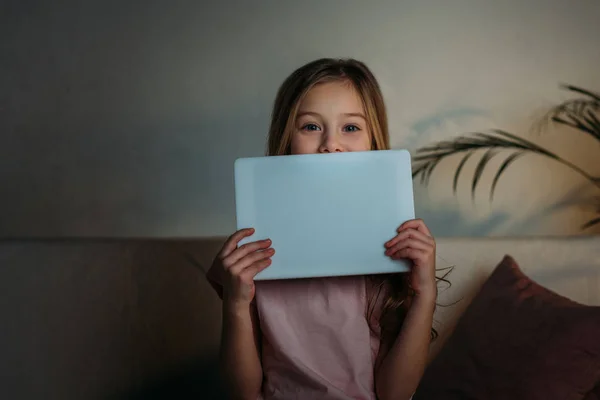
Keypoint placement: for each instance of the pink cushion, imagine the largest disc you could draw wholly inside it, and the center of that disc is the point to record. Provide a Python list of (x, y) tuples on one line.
[(518, 340)]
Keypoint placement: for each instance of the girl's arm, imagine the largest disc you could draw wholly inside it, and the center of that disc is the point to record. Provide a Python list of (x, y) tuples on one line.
[(403, 358), (401, 362), (240, 352), (232, 276)]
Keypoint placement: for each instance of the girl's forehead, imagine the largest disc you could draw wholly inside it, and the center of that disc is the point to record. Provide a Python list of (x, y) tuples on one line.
[(333, 96)]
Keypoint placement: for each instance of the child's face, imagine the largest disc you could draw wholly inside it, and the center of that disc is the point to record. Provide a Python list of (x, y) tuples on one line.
[(331, 119)]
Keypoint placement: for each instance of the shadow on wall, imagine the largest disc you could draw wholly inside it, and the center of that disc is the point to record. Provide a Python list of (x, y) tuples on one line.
[(450, 223), (123, 185), (446, 220)]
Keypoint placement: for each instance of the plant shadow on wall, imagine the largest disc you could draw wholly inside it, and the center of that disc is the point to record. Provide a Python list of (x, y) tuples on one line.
[(582, 114)]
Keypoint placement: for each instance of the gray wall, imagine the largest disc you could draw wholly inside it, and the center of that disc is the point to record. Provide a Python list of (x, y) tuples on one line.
[(123, 118)]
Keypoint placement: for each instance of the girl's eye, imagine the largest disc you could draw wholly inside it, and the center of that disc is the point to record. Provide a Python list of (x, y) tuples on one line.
[(310, 127), (351, 128)]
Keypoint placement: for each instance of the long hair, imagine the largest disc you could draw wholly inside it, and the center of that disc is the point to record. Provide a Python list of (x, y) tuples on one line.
[(394, 288)]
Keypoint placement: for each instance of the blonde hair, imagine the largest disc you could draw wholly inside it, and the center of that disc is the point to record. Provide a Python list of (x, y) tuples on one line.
[(394, 287)]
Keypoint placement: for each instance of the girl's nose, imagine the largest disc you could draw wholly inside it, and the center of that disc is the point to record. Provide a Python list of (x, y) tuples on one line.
[(330, 144)]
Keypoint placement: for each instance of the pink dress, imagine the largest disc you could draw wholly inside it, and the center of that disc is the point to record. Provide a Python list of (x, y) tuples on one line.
[(316, 341)]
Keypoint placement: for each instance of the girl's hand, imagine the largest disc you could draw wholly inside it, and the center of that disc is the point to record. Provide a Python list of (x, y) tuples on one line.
[(237, 267), (415, 243)]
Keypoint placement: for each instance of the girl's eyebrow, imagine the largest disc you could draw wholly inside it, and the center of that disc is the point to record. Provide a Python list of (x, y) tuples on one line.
[(360, 115), (315, 114), (303, 113)]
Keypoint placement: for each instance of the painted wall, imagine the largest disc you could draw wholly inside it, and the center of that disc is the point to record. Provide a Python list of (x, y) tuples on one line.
[(123, 118)]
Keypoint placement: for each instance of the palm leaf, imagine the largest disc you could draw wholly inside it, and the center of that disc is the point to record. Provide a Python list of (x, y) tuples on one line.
[(458, 169), (419, 170), (479, 169), (592, 120), (430, 168), (428, 157), (502, 168), (580, 113), (585, 92), (591, 223), (595, 220), (576, 121)]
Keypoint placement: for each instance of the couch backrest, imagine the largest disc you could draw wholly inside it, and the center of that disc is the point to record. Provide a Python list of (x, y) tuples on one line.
[(97, 319)]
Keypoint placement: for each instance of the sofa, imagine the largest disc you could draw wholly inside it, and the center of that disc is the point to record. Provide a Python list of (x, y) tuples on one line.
[(98, 319)]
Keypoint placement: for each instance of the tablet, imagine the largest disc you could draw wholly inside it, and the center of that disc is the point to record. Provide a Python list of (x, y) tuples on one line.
[(326, 214)]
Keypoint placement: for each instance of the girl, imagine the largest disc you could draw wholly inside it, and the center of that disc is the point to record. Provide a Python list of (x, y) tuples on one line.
[(361, 337)]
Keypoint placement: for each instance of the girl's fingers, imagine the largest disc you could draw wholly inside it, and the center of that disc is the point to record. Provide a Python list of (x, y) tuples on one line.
[(410, 253), (256, 267), (409, 233), (248, 260), (244, 250), (233, 240), (409, 243), (417, 224)]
